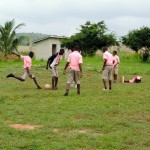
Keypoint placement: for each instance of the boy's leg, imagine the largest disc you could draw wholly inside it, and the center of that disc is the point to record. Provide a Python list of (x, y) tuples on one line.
[(104, 82), (105, 76), (56, 82), (18, 78), (67, 89), (70, 80), (77, 80), (53, 82), (115, 77), (110, 76), (35, 81), (56, 76), (78, 88), (110, 83), (115, 74)]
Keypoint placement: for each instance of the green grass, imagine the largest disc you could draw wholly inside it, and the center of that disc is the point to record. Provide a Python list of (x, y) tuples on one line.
[(118, 119)]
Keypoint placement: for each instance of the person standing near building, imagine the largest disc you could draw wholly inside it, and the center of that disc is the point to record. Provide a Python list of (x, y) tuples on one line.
[(107, 68), (74, 62), (116, 62), (53, 62)]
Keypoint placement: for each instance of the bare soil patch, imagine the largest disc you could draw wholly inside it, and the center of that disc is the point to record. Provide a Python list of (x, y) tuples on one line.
[(25, 126)]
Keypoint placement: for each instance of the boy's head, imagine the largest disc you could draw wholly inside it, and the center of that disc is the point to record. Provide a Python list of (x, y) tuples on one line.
[(71, 48), (31, 54), (105, 49), (114, 53), (61, 52), (76, 48)]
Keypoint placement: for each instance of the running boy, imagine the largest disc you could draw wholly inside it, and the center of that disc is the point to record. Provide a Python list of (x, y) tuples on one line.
[(27, 66), (53, 62)]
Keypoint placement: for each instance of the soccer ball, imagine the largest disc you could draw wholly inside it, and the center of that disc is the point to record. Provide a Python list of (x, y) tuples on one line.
[(47, 86)]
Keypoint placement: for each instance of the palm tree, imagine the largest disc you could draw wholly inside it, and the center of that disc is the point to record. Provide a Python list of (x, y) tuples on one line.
[(8, 39)]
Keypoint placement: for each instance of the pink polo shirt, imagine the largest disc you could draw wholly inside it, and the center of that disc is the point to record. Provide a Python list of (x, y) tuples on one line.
[(133, 80), (74, 60), (116, 61), (108, 56), (57, 59), (27, 61)]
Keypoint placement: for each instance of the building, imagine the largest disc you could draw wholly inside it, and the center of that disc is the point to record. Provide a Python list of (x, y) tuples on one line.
[(47, 46)]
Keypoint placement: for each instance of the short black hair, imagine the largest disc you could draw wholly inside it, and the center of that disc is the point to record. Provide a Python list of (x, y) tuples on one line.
[(115, 52), (71, 47), (105, 49), (61, 51), (31, 54), (76, 47)]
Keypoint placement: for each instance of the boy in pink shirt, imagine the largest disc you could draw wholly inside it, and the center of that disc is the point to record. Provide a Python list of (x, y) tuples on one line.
[(75, 69), (116, 62), (136, 79), (107, 68), (27, 66)]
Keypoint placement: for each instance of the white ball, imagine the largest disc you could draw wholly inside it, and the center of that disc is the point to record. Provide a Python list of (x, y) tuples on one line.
[(47, 86)]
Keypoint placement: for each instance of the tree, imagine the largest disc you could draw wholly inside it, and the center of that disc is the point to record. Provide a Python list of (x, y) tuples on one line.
[(91, 37), (139, 39), (8, 39)]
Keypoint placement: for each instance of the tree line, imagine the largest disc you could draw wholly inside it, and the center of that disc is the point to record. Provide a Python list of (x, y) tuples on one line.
[(90, 37)]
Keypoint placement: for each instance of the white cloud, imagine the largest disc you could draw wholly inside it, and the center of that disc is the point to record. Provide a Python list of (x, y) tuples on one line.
[(62, 17)]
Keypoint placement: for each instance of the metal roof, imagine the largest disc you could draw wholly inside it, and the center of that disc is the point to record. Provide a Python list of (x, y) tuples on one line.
[(49, 37)]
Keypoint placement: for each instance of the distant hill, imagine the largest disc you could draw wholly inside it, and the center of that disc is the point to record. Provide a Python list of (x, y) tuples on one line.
[(30, 36)]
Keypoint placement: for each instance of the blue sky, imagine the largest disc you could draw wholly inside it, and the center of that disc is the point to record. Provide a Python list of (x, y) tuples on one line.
[(63, 17)]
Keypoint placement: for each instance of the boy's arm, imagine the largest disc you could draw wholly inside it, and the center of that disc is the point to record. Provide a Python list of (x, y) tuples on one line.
[(80, 66), (16, 54), (105, 60), (47, 63), (116, 64), (66, 66), (118, 61)]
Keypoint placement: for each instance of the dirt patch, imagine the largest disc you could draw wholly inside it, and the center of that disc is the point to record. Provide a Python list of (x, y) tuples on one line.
[(80, 117), (86, 131), (83, 131), (56, 130), (24, 126), (7, 58), (10, 57)]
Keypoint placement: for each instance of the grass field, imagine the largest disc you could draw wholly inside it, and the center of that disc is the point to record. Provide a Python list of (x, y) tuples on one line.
[(117, 119)]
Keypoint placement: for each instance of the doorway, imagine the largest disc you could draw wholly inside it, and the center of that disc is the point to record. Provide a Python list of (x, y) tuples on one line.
[(53, 48)]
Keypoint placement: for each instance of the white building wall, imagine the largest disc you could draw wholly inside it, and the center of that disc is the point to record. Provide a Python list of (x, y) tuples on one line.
[(43, 49)]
